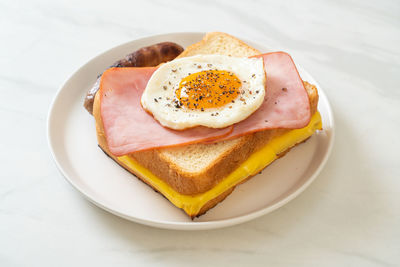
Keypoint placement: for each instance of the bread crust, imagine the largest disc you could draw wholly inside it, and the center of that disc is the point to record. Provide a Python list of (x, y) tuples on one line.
[(202, 48)]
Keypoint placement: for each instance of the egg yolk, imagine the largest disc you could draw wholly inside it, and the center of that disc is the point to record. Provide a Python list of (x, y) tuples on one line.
[(208, 89)]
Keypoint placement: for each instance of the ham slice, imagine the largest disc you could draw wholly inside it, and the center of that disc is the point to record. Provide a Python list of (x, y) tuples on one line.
[(286, 104), (128, 127)]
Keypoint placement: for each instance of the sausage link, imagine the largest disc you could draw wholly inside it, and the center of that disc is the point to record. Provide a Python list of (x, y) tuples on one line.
[(148, 56)]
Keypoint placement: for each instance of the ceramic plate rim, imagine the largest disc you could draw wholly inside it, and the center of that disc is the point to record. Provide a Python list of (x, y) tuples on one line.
[(184, 225)]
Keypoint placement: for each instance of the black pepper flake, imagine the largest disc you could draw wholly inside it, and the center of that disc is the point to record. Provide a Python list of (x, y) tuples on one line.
[(275, 103), (155, 99), (174, 70), (266, 120), (202, 109), (164, 87), (257, 92), (253, 75), (284, 89)]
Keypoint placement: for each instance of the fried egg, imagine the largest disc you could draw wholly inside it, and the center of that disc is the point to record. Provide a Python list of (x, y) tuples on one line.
[(205, 90)]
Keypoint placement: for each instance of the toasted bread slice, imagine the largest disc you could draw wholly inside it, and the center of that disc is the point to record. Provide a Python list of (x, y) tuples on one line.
[(220, 43), (197, 168)]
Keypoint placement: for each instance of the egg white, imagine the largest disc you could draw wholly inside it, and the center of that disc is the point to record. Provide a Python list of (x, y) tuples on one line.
[(159, 96)]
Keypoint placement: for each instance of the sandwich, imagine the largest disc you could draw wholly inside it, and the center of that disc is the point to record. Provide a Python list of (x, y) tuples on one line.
[(196, 164)]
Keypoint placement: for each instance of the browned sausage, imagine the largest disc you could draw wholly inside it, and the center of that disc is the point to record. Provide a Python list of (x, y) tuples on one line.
[(147, 56)]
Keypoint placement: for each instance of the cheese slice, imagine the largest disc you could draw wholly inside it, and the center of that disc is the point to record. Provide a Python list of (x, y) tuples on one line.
[(192, 204)]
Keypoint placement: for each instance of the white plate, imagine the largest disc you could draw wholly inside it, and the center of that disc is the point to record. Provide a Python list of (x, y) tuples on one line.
[(72, 141)]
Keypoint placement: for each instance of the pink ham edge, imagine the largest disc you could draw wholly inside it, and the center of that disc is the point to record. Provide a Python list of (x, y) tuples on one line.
[(286, 104), (128, 127)]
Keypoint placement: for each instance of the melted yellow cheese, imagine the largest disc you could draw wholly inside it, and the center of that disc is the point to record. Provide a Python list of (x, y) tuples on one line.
[(254, 164)]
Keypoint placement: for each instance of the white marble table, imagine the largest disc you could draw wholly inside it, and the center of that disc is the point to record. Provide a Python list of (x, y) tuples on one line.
[(350, 216)]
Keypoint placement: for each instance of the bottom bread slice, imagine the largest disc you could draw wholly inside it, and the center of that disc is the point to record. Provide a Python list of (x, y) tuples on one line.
[(196, 205)]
